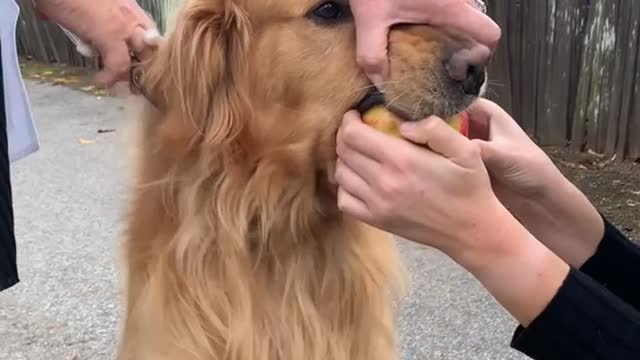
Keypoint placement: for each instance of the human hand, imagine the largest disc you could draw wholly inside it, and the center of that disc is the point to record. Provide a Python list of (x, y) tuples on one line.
[(113, 27), (440, 196), (373, 19), (528, 183)]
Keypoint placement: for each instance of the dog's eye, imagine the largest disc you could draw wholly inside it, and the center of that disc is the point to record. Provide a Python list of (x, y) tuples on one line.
[(330, 12)]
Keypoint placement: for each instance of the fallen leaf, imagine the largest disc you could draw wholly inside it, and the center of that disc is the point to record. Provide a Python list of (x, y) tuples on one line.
[(64, 81), (104, 131)]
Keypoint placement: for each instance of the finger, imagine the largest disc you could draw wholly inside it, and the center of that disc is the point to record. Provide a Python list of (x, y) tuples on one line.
[(479, 123), (153, 38), (366, 168), (349, 180), (353, 206), (143, 42), (437, 135), (371, 39), (488, 152), (116, 64), (489, 114), (362, 138), (134, 11), (467, 18)]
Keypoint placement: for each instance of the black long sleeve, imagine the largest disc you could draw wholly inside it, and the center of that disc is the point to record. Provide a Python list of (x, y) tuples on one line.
[(616, 266), (594, 315)]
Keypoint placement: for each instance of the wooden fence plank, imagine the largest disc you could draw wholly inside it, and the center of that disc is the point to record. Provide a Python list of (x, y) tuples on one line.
[(607, 44), (553, 119), (500, 88), (578, 31), (580, 119), (514, 57), (612, 117), (631, 67)]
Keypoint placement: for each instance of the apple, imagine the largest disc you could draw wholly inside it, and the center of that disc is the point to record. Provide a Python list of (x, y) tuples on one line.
[(384, 120)]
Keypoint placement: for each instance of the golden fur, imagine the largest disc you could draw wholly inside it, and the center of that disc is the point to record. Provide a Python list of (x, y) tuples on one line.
[(235, 249)]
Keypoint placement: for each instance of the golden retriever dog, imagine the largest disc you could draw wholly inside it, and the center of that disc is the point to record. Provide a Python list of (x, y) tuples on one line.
[(235, 248)]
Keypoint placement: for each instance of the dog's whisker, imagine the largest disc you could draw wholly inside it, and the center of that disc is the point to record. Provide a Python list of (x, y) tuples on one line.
[(390, 103), (495, 83), (372, 86), (492, 92), (417, 107)]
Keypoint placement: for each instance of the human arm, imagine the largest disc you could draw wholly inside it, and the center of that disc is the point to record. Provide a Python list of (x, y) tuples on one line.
[(443, 202), (442, 198), (113, 27), (554, 210), (525, 179), (374, 18)]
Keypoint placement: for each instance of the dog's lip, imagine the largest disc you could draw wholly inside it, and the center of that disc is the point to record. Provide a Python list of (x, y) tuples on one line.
[(375, 98), (370, 99)]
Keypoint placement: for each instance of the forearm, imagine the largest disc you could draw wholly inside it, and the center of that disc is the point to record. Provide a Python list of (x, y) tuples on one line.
[(564, 220), (520, 273)]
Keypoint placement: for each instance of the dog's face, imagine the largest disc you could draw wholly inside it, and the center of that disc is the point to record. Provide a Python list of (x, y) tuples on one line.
[(304, 55), (285, 66)]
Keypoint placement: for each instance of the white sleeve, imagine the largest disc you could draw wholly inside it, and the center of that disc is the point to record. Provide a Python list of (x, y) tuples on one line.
[(21, 133)]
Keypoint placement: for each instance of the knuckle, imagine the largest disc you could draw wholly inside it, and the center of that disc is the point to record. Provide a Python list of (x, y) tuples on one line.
[(474, 151), (349, 132), (404, 161), (389, 187), (371, 62)]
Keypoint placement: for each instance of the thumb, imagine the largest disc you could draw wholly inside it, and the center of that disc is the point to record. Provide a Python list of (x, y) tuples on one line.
[(437, 135), (116, 61), (372, 33), (488, 152), (494, 120)]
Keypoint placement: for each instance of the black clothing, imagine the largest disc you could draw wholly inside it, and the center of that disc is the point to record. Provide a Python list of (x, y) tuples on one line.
[(596, 312), (8, 266)]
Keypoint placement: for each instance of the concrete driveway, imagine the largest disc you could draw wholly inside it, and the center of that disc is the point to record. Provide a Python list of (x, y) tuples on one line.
[(69, 199)]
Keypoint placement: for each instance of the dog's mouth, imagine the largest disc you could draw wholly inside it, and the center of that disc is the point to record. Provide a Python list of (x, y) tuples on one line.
[(375, 98)]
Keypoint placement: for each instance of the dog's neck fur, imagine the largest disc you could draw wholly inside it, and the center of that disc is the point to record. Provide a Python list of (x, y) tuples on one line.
[(256, 255)]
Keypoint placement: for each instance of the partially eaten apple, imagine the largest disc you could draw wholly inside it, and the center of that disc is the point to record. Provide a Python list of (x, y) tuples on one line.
[(386, 121)]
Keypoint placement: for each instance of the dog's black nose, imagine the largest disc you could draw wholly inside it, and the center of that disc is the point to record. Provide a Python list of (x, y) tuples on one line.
[(468, 66), (476, 76)]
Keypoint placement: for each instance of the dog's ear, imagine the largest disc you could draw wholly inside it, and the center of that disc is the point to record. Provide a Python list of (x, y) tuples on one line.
[(200, 75)]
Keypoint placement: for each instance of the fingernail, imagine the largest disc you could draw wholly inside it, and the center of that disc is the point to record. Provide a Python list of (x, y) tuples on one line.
[(378, 81)]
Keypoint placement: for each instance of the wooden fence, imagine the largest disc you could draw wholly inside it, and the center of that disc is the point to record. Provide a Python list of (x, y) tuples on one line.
[(568, 70)]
